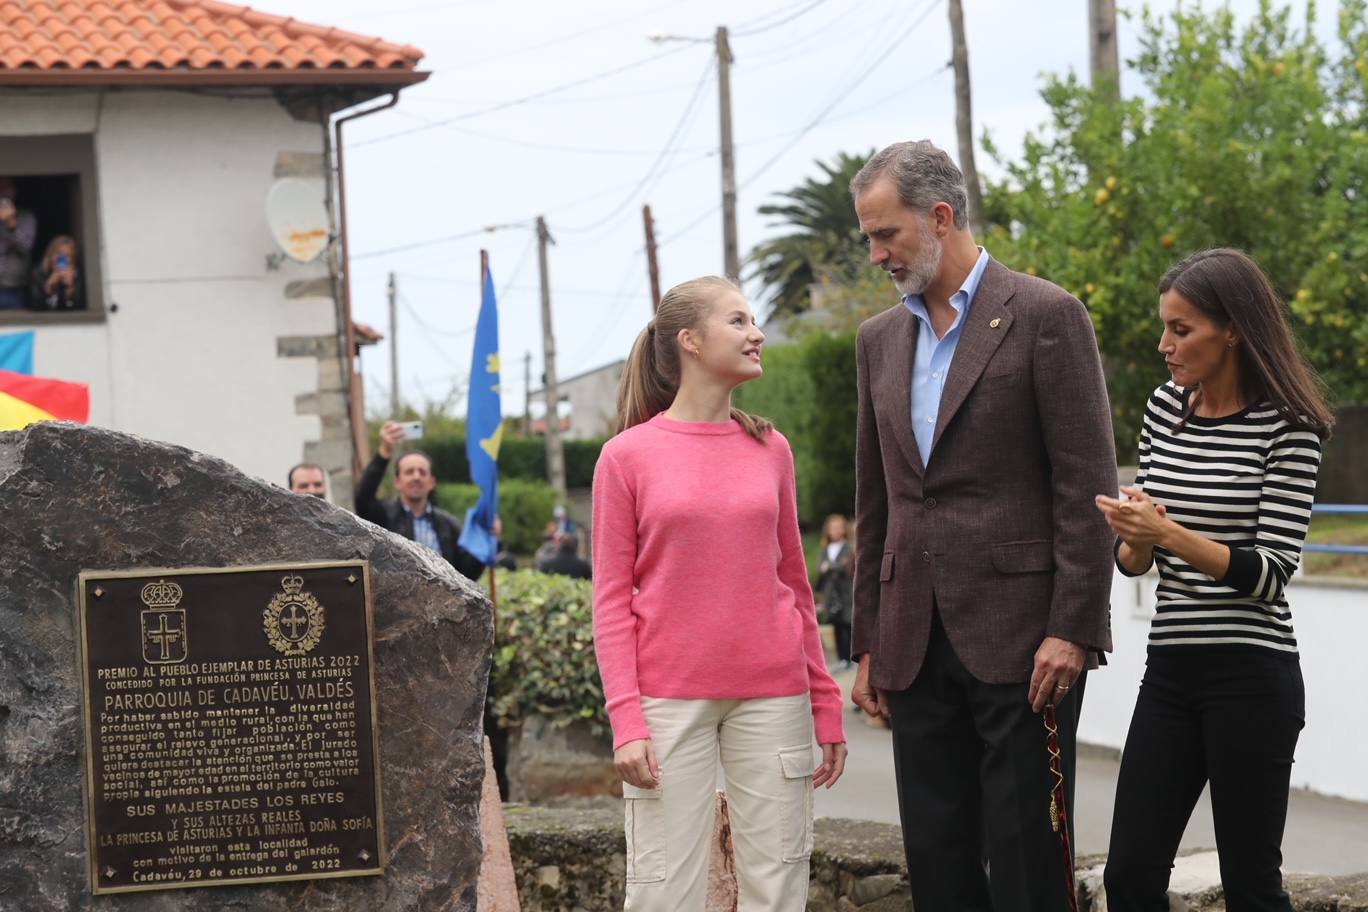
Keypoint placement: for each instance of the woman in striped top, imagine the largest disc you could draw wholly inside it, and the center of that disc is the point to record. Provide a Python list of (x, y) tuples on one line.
[(1228, 457)]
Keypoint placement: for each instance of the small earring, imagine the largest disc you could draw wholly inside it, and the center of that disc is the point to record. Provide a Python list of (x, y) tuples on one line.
[(1230, 344), (697, 353)]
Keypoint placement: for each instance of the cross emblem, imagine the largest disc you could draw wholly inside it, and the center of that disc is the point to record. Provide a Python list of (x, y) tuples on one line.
[(294, 621), (164, 636)]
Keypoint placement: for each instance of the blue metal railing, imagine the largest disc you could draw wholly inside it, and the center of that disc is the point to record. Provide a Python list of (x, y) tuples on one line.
[(1343, 510)]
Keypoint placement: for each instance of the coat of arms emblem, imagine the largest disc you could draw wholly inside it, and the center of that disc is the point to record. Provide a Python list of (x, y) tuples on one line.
[(294, 619), (163, 624)]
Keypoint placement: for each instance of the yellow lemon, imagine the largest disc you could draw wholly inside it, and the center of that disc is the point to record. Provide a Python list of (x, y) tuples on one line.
[(1101, 196)]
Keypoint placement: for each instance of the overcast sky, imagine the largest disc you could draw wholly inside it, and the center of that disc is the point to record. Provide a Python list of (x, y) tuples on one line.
[(583, 157)]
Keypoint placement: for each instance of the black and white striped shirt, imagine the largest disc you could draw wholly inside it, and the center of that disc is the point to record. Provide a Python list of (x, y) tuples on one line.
[(1247, 480)]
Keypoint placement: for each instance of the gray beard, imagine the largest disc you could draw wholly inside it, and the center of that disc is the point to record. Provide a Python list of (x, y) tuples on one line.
[(921, 272)]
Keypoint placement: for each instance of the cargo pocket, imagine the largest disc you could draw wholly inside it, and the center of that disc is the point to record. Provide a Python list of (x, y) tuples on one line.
[(796, 832), (645, 828)]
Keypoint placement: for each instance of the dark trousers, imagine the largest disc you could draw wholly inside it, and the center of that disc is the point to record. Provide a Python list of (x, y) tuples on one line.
[(1228, 717), (842, 629), (974, 787)]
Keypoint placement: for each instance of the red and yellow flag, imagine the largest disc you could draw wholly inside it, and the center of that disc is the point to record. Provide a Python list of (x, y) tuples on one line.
[(25, 399)]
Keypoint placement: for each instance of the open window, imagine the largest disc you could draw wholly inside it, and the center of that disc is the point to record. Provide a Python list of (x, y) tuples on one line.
[(49, 245)]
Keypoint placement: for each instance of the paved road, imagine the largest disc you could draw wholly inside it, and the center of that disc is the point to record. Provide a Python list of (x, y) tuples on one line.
[(1324, 835)]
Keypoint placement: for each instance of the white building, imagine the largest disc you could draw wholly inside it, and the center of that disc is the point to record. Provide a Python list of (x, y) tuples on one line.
[(588, 403), (153, 134)]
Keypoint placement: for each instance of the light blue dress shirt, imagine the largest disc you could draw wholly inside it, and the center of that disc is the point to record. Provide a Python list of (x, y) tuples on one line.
[(931, 360), (424, 529)]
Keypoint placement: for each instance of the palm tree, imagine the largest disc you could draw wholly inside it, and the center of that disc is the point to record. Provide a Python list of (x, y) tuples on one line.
[(825, 244)]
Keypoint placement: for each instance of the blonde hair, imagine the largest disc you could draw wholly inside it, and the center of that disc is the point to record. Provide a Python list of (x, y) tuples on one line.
[(50, 255), (650, 380), (826, 524)]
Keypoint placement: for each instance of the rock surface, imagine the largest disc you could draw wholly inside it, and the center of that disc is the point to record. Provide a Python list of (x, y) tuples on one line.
[(74, 498)]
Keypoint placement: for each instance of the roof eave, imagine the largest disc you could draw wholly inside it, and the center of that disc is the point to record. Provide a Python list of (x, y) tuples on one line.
[(222, 78)]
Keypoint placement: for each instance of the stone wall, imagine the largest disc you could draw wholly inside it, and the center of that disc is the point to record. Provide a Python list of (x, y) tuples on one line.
[(573, 860)]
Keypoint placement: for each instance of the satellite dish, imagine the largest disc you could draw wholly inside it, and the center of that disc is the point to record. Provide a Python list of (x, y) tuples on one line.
[(298, 217)]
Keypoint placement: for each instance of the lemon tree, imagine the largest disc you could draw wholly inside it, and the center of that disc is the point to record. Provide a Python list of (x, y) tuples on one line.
[(1252, 136)]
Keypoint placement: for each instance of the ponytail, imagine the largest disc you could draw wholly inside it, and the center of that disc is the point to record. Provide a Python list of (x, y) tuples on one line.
[(644, 391), (650, 379)]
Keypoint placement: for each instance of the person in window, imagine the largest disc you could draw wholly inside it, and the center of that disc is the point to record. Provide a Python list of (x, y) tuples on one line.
[(18, 229), (56, 281)]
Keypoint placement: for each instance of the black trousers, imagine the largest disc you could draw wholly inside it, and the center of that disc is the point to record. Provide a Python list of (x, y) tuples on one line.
[(1229, 717), (842, 629), (974, 787)]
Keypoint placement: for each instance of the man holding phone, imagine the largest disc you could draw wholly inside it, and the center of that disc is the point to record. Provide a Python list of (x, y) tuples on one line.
[(412, 514), (18, 229)]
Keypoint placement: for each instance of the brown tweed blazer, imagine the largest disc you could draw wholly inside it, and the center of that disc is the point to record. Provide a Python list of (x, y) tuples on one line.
[(1000, 527)]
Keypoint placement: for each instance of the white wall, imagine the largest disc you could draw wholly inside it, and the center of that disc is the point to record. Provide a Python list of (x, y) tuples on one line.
[(190, 355), (1331, 621)]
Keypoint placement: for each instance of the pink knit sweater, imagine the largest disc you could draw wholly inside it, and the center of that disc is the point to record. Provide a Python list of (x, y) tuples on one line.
[(700, 587)]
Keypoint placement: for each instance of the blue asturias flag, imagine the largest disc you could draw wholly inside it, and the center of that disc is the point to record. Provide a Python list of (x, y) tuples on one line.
[(484, 425), (16, 352)]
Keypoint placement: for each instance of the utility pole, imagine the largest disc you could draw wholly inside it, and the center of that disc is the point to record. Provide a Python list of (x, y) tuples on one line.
[(731, 259), (651, 265), (394, 348), (1105, 64), (527, 394), (964, 118), (555, 455)]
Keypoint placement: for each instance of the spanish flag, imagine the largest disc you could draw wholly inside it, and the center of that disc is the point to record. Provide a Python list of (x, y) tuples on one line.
[(25, 399)]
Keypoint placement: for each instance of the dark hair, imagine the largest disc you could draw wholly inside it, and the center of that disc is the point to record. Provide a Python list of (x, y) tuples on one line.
[(405, 455), (1230, 289), (289, 479), (651, 378), (568, 542)]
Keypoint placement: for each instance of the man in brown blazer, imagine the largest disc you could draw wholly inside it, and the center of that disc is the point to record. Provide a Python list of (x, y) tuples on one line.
[(983, 572)]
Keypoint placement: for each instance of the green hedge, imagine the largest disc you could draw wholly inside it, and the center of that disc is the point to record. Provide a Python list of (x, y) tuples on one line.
[(519, 457), (524, 506), (544, 660), (808, 391)]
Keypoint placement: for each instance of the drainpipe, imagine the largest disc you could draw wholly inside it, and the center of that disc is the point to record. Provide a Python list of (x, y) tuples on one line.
[(355, 404)]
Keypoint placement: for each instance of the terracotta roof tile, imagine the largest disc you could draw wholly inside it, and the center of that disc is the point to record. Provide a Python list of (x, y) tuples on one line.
[(127, 35)]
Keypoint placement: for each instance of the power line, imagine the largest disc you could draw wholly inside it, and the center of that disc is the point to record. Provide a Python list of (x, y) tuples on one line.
[(441, 240), (831, 106), (813, 123), (524, 99), (526, 144), (773, 25), (611, 312), (665, 150), (433, 330)]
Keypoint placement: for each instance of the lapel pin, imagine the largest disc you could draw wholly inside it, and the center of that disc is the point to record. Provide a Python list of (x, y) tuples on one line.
[(996, 322)]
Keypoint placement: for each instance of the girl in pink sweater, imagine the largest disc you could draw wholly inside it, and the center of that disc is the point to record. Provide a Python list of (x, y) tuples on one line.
[(704, 622)]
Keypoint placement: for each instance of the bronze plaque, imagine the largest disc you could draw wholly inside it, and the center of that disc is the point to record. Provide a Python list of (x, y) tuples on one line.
[(230, 726)]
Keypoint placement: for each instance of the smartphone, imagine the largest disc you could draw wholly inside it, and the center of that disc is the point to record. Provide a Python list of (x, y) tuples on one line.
[(63, 261), (413, 430)]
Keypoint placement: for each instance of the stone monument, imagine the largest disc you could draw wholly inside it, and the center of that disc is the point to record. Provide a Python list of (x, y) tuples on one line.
[(76, 499)]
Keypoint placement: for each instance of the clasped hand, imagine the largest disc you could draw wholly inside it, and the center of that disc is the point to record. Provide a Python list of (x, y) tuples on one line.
[(1139, 521)]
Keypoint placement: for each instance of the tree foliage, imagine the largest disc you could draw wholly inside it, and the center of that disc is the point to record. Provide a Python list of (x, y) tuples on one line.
[(823, 243), (1253, 137), (808, 391), (544, 660)]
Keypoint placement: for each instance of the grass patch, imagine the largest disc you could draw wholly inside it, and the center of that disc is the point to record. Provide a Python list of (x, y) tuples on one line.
[(1330, 529)]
